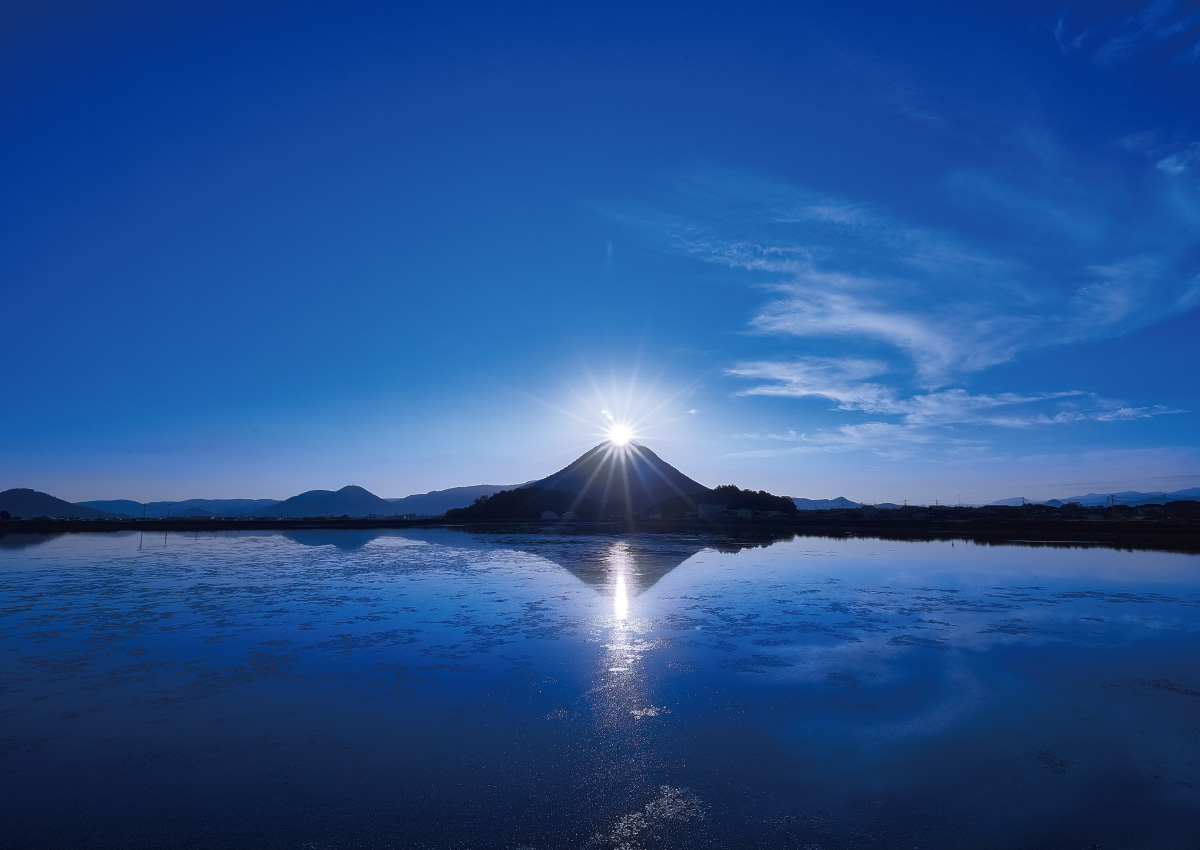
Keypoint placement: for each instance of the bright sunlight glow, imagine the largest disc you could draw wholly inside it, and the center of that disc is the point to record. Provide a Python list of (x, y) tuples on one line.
[(621, 599), (620, 435)]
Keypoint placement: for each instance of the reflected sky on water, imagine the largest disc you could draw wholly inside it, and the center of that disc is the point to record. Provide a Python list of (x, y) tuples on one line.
[(439, 688)]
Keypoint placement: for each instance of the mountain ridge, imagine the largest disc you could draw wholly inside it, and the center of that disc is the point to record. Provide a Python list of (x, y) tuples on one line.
[(437, 502), (351, 500), (840, 503), (157, 510), (31, 504), (1124, 497)]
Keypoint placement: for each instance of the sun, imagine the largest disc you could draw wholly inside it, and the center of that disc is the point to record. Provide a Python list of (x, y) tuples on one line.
[(620, 435)]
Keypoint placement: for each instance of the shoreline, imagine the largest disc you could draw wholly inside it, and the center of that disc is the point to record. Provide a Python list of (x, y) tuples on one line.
[(1156, 535)]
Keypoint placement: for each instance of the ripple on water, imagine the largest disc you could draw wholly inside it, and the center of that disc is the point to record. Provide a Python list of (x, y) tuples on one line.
[(445, 689)]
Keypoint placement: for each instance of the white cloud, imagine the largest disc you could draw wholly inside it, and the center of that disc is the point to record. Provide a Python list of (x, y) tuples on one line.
[(1181, 160), (886, 439), (846, 383), (1118, 40), (1044, 253), (843, 381), (1171, 165), (1069, 261), (935, 424)]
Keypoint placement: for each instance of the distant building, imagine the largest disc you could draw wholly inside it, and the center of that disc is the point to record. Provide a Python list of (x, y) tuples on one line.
[(744, 513), (549, 515), (711, 511)]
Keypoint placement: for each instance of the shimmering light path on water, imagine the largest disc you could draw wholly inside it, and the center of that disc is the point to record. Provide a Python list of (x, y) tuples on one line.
[(445, 689)]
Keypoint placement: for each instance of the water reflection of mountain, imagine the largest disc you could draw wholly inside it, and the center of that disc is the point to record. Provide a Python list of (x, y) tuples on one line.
[(642, 559), (25, 541), (346, 539)]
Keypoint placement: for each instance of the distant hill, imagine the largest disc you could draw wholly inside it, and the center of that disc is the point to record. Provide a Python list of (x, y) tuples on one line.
[(193, 513), (437, 502), (1125, 497), (116, 507), (186, 507), (349, 501), (31, 504), (824, 504)]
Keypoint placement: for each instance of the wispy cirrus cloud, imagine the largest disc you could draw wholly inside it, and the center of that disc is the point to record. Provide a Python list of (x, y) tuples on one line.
[(1069, 261), (1049, 254), (895, 440), (886, 439), (1182, 160), (836, 381), (1177, 160), (1120, 38)]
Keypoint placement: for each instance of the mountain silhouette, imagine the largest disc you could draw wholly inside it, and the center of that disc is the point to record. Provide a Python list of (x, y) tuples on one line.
[(597, 559), (346, 539), (613, 482), (841, 502), (1125, 497), (32, 504), (185, 507), (437, 502), (629, 478), (351, 500), (641, 559), (17, 542)]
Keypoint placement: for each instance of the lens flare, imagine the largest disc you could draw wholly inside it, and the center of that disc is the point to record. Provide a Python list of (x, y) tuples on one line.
[(620, 435)]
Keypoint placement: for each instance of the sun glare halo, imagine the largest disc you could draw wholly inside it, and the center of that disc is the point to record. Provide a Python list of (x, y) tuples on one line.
[(620, 435)]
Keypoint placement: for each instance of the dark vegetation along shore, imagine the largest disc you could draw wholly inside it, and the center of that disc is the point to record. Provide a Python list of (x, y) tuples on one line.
[(1174, 526)]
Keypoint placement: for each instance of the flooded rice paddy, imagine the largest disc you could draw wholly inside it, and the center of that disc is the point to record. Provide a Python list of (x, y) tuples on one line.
[(443, 689)]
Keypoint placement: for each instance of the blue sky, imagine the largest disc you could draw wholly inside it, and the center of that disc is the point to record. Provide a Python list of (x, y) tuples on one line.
[(887, 251)]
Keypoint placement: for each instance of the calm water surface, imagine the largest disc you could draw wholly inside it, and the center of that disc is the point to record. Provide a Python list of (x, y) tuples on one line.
[(441, 689)]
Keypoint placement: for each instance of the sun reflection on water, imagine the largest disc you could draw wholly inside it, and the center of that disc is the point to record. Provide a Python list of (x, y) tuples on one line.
[(624, 678), (620, 599)]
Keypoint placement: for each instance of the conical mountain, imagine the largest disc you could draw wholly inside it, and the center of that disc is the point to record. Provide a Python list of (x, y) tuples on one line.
[(613, 481), (628, 477)]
